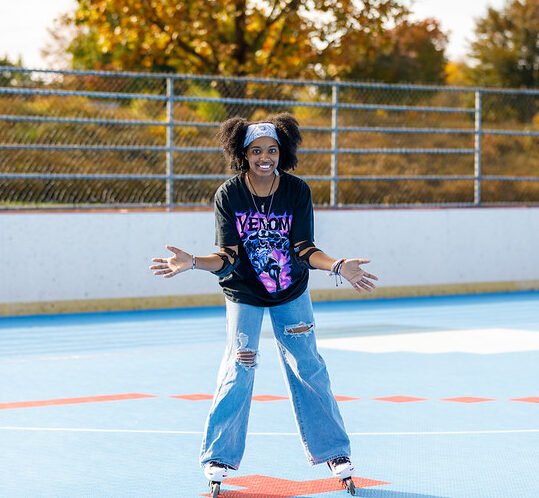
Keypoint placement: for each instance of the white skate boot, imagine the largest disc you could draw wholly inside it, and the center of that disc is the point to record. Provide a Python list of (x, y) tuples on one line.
[(216, 473), (343, 468)]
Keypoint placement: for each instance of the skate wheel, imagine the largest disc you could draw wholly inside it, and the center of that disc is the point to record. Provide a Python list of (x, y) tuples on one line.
[(348, 483), (215, 488)]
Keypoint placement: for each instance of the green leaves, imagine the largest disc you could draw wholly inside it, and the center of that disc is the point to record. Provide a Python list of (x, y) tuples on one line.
[(507, 46)]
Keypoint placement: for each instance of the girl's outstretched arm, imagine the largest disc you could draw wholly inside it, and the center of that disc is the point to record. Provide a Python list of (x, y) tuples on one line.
[(350, 269), (182, 261)]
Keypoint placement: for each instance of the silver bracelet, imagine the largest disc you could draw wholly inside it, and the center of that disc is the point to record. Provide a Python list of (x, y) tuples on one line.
[(194, 262)]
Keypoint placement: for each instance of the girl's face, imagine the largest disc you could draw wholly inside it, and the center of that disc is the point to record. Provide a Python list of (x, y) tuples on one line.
[(263, 156)]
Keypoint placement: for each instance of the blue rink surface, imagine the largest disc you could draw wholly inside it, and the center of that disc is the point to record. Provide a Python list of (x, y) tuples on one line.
[(453, 422)]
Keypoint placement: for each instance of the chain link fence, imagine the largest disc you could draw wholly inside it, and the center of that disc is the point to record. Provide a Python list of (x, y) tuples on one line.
[(99, 139)]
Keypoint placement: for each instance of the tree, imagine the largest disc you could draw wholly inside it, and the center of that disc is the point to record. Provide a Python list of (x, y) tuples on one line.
[(268, 38), (410, 52), (202, 37), (457, 73), (11, 78), (6, 76), (506, 50), (257, 38), (506, 47)]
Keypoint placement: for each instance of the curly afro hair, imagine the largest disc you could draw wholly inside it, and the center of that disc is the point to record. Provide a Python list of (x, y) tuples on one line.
[(232, 134)]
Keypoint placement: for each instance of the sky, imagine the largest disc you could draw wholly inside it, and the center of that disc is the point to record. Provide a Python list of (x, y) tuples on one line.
[(24, 23)]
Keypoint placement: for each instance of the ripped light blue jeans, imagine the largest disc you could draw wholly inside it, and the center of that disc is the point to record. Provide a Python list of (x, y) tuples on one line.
[(319, 422)]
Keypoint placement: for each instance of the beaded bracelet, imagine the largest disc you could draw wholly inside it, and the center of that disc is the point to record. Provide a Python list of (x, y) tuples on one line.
[(336, 271), (194, 262)]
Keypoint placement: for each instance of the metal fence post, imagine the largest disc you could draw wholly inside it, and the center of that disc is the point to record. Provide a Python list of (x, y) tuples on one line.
[(170, 142), (334, 145), (477, 146)]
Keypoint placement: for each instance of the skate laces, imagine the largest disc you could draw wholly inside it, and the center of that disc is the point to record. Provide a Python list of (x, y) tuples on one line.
[(220, 465), (339, 460)]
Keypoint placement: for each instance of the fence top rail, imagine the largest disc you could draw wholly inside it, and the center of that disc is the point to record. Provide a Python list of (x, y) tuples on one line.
[(244, 79)]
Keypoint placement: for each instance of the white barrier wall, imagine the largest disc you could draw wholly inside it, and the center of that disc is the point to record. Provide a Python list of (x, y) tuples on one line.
[(78, 256)]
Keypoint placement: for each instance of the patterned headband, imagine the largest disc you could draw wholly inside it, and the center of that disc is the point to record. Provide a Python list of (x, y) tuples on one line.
[(258, 130)]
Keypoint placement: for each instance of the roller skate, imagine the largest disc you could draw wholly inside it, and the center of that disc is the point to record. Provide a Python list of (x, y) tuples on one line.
[(343, 468), (216, 473)]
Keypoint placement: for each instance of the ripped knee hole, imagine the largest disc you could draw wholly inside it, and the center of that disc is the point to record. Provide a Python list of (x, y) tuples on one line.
[(302, 328), (246, 357)]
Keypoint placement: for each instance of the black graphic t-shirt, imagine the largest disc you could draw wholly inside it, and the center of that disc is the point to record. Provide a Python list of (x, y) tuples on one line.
[(269, 273)]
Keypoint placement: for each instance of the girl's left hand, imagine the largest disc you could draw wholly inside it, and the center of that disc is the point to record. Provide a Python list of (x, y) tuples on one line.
[(359, 279)]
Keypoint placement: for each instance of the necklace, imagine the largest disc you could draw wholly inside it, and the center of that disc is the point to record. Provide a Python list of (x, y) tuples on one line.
[(262, 206)]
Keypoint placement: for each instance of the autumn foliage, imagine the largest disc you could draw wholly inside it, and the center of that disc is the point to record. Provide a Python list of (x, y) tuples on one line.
[(283, 39)]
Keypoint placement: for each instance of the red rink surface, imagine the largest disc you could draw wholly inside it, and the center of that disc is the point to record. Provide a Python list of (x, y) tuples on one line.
[(271, 487)]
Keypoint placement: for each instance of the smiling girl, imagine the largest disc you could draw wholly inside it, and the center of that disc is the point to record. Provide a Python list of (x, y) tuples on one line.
[(265, 231)]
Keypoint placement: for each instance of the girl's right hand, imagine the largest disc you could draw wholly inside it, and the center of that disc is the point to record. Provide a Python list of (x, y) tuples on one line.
[(180, 262)]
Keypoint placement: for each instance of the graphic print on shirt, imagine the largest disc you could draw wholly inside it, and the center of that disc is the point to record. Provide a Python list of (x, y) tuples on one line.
[(267, 244)]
